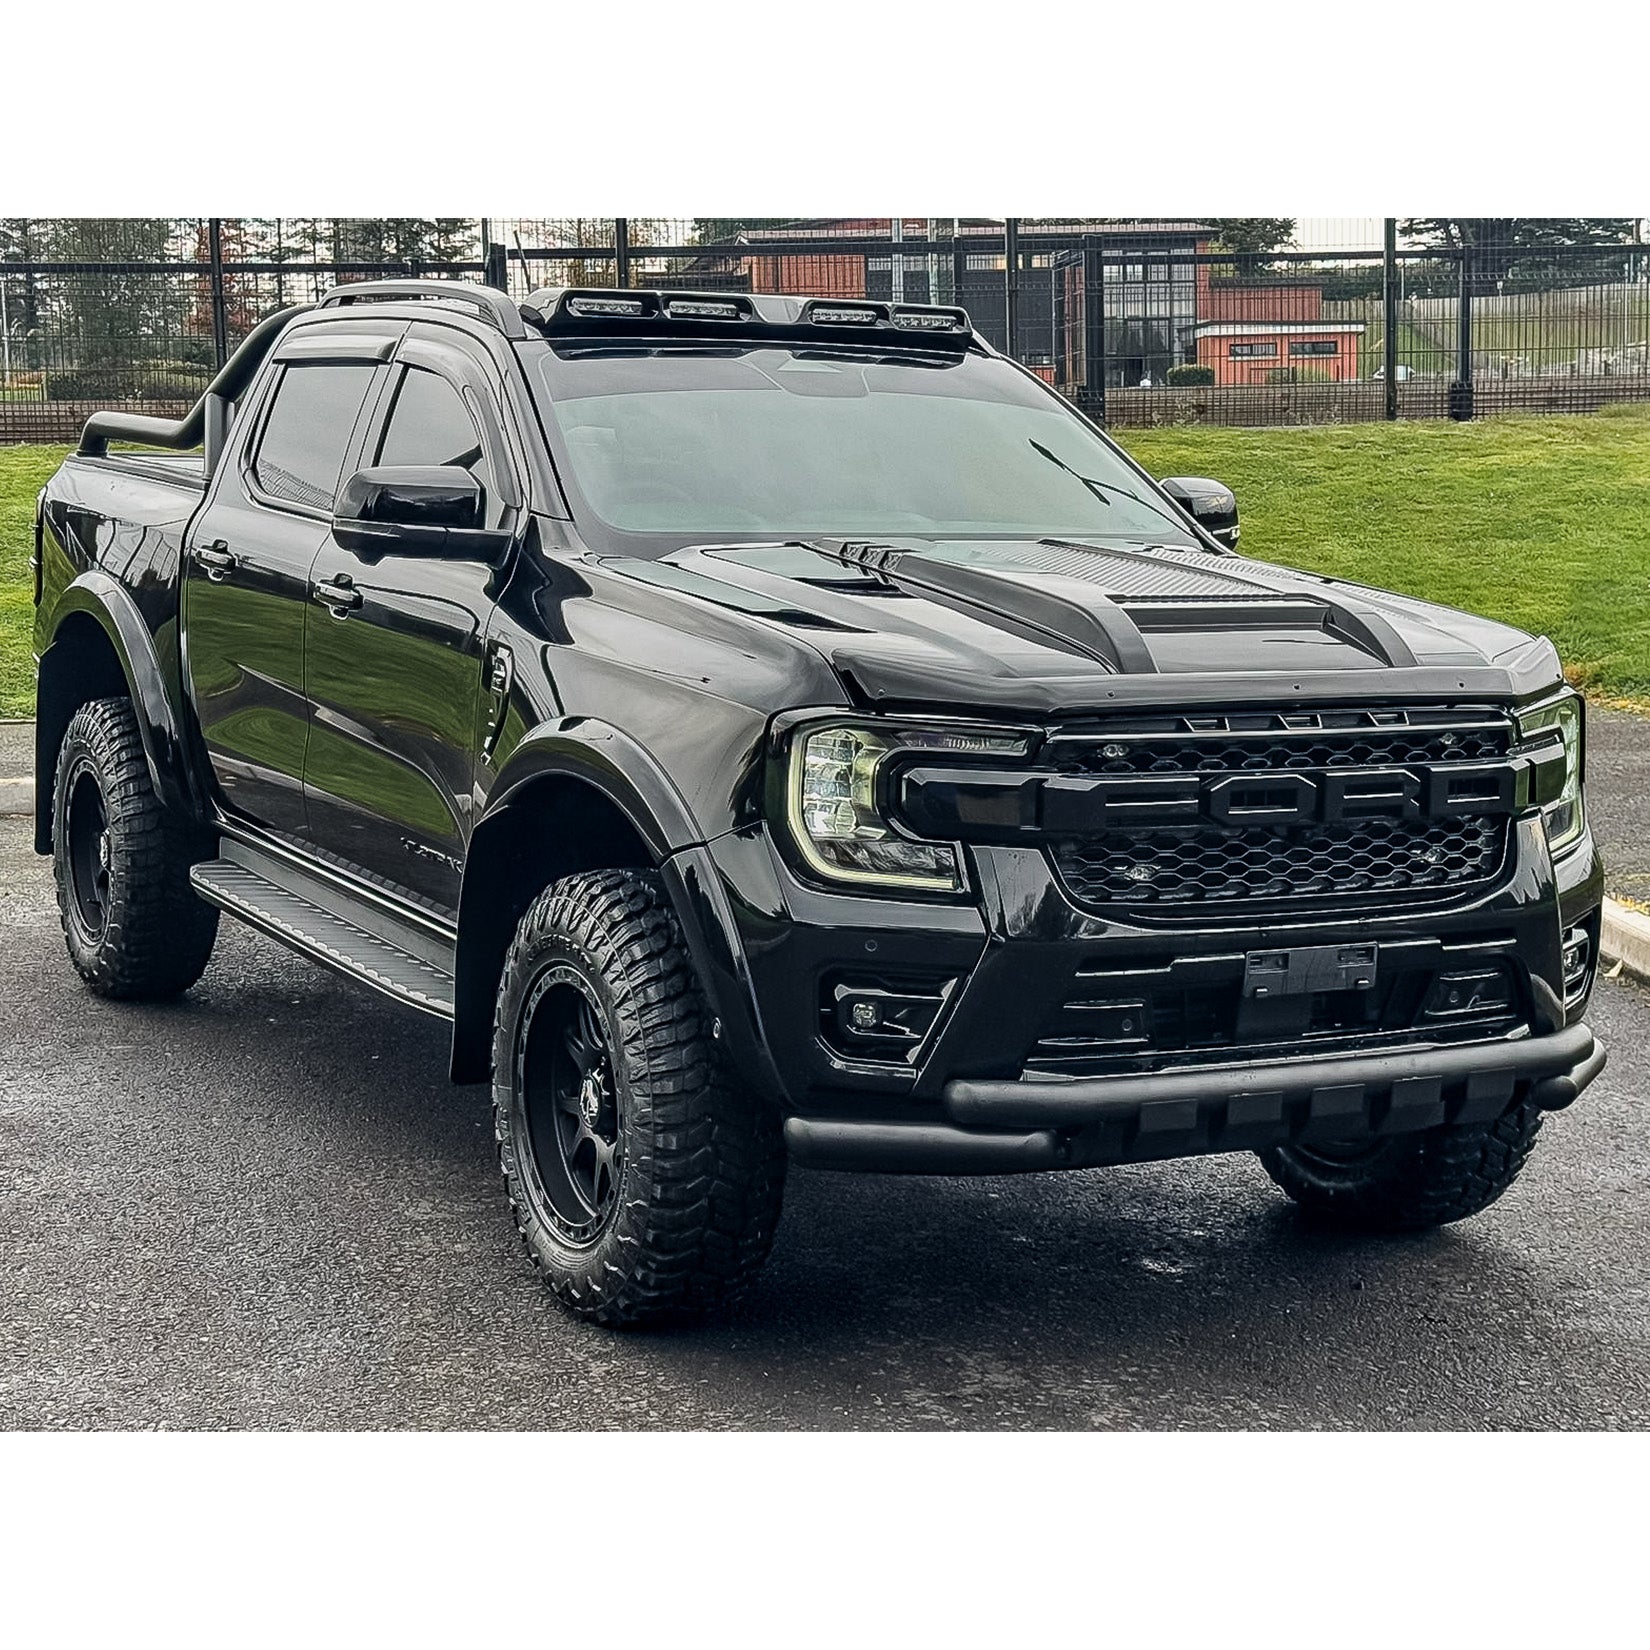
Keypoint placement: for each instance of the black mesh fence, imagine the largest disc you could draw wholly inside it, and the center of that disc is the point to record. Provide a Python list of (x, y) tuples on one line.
[(1147, 321)]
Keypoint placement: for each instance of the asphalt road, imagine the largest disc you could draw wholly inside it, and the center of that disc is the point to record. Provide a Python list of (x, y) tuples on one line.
[(265, 1207), (1618, 793)]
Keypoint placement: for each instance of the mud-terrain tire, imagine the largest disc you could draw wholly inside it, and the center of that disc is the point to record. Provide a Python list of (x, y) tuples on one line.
[(1409, 1182), (645, 1180), (134, 926)]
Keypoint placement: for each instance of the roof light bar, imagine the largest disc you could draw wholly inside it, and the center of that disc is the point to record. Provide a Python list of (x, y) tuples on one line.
[(703, 309), (932, 320), (607, 306), (844, 315)]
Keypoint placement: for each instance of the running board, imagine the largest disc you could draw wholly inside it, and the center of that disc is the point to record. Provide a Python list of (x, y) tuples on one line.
[(315, 917)]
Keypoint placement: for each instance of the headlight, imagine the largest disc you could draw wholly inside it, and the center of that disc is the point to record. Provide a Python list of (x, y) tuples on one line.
[(1565, 819), (836, 813)]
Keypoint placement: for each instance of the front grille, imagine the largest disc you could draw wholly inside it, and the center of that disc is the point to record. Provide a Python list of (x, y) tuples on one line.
[(1210, 863), (1161, 866)]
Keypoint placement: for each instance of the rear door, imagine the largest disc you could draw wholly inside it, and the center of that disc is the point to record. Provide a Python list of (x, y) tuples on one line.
[(247, 578), (395, 665)]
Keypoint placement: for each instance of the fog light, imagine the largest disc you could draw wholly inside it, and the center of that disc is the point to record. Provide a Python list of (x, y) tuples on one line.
[(879, 1022), (1484, 993), (1578, 959)]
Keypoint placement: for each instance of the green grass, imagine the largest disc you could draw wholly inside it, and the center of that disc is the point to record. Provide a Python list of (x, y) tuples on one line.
[(1542, 522), (23, 472)]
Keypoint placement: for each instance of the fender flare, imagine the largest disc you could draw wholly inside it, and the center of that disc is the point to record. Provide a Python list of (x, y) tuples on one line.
[(110, 605), (605, 757), (613, 764)]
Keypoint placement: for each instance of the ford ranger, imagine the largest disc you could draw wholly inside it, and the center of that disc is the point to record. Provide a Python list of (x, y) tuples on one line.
[(770, 728)]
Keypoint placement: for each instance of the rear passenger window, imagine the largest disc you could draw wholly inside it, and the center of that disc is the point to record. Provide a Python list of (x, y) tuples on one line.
[(430, 424), (305, 437)]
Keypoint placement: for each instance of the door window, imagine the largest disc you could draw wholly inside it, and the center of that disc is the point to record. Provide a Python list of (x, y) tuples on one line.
[(307, 433), (430, 424)]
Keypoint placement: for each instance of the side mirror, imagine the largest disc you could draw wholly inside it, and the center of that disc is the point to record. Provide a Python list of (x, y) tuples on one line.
[(1212, 505), (415, 510)]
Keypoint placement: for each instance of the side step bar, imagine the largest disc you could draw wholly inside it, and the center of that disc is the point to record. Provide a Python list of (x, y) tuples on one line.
[(325, 923)]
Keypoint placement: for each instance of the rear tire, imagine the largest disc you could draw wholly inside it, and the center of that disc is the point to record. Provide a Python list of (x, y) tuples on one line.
[(134, 926), (645, 1180), (1408, 1182)]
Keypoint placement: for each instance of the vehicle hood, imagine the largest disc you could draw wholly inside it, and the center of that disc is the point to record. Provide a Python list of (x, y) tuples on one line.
[(1042, 626)]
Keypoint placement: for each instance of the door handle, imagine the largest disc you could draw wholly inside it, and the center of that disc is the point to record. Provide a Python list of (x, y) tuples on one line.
[(339, 594), (216, 559)]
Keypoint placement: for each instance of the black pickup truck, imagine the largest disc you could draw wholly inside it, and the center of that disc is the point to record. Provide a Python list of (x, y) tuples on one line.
[(775, 728)]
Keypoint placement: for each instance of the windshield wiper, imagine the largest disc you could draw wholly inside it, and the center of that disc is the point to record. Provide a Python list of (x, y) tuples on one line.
[(1099, 488)]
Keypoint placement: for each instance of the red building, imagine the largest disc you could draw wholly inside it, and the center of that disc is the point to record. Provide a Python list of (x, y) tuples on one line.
[(1272, 352)]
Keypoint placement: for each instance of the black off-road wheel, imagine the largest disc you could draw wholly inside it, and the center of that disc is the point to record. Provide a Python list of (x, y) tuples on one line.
[(1408, 1182), (645, 1180), (134, 926)]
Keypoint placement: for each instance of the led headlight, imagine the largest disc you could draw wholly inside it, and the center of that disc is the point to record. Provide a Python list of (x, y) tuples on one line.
[(1564, 819), (836, 815)]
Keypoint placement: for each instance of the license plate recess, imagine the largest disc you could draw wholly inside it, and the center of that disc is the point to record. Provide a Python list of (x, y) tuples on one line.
[(1303, 970)]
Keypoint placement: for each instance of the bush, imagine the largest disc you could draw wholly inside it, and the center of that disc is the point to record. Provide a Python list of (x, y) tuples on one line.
[(1300, 375), (130, 381), (1190, 374)]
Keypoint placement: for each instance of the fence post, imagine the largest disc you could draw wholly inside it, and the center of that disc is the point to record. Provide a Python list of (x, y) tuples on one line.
[(220, 305), (1460, 392), (1011, 287), (1094, 330), (1389, 326), (621, 251), (495, 271)]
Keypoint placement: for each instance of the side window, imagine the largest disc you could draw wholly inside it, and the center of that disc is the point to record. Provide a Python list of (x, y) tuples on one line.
[(301, 451), (430, 424)]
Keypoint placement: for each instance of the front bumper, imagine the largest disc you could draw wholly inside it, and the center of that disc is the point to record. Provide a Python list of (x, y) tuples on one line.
[(1006, 1127), (972, 1099)]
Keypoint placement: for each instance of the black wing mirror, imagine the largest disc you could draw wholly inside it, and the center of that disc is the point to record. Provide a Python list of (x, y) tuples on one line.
[(1211, 504), (416, 510)]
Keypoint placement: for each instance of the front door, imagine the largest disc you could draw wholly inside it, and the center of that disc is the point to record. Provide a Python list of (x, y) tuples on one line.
[(394, 649), (247, 587)]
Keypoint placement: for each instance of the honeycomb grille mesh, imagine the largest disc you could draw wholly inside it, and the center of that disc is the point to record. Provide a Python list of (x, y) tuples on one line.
[(1196, 865), (1402, 748), (1368, 856)]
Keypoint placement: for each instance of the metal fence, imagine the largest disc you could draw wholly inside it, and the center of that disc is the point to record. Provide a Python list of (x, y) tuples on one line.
[(1149, 321)]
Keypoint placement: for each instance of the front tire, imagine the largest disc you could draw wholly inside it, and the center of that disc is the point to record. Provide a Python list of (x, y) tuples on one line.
[(1408, 1182), (134, 926), (645, 1180)]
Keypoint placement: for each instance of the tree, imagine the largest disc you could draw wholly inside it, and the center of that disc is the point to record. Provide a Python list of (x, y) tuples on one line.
[(113, 323), (1250, 239), (1495, 249), (21, 240)]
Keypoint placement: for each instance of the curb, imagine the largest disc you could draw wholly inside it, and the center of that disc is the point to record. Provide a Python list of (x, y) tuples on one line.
[(1624, 943), (16, 797)]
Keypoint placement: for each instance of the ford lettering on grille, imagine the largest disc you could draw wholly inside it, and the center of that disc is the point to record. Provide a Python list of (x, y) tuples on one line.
[(1417, 804)]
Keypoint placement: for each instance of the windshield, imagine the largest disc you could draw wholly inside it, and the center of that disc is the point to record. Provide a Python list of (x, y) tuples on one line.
[(781, 443)]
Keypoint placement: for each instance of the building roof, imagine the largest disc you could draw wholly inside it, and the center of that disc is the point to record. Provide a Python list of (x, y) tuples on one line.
[(1255, 329)]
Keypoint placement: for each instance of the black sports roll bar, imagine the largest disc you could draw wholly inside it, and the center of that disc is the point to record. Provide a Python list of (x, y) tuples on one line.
[(206, 424)]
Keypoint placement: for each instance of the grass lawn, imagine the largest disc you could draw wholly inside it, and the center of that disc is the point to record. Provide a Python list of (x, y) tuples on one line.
[(23, 472), (1543, 522)]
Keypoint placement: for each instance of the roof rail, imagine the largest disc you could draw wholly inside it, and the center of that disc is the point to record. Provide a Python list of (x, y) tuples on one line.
[(495, 306)]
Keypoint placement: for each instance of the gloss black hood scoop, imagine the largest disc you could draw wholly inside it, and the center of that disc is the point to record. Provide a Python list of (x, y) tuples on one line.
[(1139, 611)]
